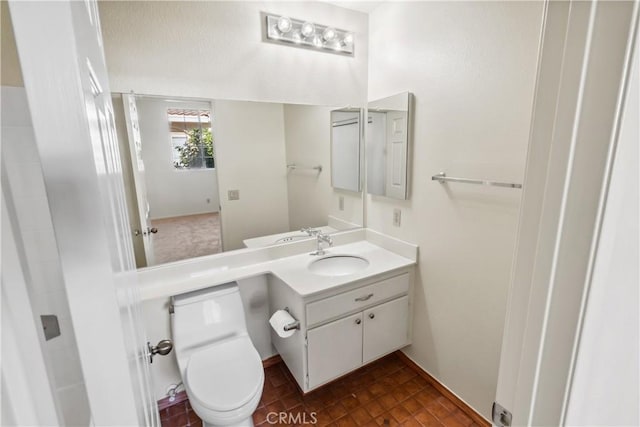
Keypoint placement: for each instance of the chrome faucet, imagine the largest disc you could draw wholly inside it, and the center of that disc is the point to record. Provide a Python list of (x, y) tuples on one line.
[(321, 237), (310, 231)]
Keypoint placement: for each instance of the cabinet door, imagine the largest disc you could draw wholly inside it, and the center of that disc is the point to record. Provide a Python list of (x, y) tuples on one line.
[(334, 349), (386, 328)]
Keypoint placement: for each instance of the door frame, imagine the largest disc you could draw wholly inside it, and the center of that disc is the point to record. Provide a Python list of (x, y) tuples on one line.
[(27, 393), (97, 266), (581, 86)]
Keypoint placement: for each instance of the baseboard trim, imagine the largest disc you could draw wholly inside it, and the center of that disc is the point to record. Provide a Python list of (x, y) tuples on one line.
[(475, 416)]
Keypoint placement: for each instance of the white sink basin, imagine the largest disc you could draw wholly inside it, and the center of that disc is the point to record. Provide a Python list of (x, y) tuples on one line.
[(338, 265), (293, 238)]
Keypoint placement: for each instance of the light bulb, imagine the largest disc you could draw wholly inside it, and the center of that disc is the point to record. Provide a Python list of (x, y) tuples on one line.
[(336, 45), (307, 29), (348, 39), (284, 24), (329, 34), (317, 41)]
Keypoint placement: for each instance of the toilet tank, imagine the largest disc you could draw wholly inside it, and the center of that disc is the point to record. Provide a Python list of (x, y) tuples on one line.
[(206, 316)]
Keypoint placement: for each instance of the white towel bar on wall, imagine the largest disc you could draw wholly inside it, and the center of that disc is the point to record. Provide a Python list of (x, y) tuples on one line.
[(442, 177)]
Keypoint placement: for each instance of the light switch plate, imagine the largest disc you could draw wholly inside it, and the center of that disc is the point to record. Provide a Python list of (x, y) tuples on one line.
[(234, 195), (397, 217)]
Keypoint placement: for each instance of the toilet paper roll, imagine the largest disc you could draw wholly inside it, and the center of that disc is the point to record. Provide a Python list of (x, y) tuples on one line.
[(278, 321)]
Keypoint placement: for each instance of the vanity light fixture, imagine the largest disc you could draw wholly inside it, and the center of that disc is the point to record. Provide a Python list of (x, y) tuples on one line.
[(296, 32)]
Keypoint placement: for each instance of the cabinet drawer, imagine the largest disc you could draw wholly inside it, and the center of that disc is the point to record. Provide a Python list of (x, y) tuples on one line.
[(365, 296)]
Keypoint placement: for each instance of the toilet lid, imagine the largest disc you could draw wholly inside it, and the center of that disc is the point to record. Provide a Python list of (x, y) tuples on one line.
[(225, 376)]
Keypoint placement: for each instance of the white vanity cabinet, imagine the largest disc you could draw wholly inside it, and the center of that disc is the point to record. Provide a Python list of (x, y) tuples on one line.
[(385, 327), (341, 331), (334, 349)]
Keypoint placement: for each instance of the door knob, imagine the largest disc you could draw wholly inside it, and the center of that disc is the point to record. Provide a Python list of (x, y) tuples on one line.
[(150, 230), (371, 315), (358, 321), (163, 348)]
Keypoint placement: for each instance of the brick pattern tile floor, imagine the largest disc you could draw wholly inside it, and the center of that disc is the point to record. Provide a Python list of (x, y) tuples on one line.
[(384, 393)]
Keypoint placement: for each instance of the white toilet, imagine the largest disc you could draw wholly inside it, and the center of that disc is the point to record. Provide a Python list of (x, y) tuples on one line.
[(221, 369)]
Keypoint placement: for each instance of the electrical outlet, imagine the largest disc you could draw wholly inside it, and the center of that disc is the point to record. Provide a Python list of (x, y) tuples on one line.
[(397, 217), (234, 195), (341, 203)]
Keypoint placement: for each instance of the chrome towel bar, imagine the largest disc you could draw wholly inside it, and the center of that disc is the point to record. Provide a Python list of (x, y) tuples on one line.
[(293, 166), (442, 177)]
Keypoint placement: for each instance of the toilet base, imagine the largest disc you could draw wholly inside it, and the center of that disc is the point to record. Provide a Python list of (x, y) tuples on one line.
[(246, 423)]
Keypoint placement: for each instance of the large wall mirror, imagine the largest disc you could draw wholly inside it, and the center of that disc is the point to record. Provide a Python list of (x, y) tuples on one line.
[(206, 176), (388, 138)]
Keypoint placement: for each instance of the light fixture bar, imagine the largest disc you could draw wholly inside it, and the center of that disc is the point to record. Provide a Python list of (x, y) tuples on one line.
[(295, 32)]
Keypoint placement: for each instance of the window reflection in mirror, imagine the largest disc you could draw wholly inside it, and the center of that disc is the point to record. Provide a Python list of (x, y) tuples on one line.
[(346, 134), (388, 131)]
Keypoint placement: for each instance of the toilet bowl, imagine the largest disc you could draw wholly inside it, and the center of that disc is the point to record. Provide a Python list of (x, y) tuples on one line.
[(221, 369)]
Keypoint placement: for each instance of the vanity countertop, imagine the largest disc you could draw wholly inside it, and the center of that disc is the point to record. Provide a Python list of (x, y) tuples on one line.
[(288, 262)]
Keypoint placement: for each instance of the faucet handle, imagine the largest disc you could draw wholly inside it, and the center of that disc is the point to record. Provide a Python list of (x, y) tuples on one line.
[(325, 238), (310, 231)]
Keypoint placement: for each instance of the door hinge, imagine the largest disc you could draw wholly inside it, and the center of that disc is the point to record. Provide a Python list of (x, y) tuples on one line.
[(50, 326), (306, 341), (500, 416)]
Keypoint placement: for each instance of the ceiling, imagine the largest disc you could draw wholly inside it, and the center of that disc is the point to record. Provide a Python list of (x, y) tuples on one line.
[(361, 6)]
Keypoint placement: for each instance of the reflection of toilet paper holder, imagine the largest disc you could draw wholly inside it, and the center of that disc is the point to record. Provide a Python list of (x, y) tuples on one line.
[(293, 325)]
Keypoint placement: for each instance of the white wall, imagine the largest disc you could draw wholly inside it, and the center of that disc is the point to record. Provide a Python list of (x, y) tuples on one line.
[(604, 389), (214, 50), (26, 193), (307, 138), (172, 192), (249, 142), (471, 67)]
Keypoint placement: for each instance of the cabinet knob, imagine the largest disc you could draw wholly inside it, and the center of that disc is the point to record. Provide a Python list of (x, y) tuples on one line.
[(358, 321), (371, 315)]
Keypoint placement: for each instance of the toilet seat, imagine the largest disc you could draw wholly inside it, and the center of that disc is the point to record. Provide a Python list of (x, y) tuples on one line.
[(225, 376)]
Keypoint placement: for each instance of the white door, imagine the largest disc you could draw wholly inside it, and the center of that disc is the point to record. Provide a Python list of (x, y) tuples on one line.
[(137, 164), (64, 71), (386, 328), (334, 349), (583, 68), (396, 173)]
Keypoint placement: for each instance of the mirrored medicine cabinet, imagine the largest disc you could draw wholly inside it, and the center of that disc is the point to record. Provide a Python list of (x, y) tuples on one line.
[(388, 146)]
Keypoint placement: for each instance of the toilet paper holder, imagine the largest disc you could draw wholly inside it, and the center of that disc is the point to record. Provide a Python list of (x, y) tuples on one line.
[(293, 325)]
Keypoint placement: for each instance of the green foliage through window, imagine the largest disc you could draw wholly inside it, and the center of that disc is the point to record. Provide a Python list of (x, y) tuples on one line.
[(197, 151)]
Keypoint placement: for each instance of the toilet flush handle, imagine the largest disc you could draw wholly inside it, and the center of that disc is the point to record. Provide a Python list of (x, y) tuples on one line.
[(163, 348)]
